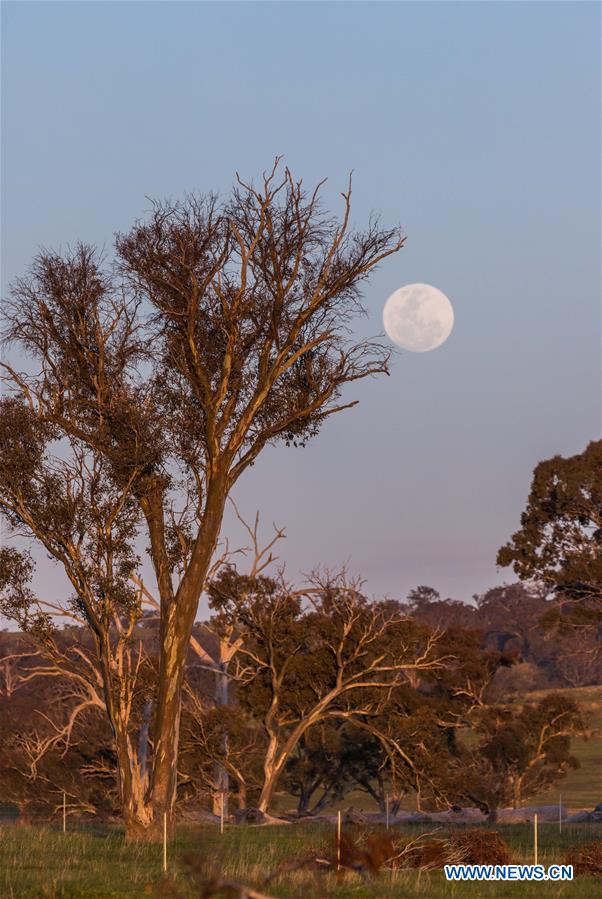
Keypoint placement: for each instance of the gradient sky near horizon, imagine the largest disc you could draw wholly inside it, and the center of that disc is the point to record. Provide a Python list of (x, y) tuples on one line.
[(474, 125)]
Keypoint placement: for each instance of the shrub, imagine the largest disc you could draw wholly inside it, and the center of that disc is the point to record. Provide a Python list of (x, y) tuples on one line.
[(586, 859), (427, 854), (481, 847), (364, 853), (473, 847)]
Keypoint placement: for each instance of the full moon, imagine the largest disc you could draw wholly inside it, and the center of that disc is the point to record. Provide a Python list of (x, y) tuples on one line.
[(418, 317)]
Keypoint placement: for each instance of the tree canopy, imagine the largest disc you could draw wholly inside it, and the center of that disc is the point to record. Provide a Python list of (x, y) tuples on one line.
[(560, 539)]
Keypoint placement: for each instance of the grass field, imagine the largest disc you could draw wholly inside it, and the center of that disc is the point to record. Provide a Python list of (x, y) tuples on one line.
[(36, 863), (42, 863)]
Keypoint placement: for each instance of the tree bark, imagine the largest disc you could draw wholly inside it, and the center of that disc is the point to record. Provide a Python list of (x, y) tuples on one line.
[(177, 620), (137, 812), (271, 772), (222, 780)]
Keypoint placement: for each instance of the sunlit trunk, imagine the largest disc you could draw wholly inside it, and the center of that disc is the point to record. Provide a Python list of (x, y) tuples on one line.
[(177, 620), (137, 812), (270, 774)]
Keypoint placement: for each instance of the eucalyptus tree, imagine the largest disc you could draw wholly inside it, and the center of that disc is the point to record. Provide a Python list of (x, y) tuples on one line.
[(313, 655), (154, 382), (559, 542), (520, 753)]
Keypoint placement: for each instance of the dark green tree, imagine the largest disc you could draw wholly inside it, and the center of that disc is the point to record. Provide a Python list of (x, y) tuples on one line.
[(521, 751), (560, 539)]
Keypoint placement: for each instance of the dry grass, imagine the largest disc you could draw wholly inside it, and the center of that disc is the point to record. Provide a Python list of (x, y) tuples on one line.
[(586, 859), (471, 847)]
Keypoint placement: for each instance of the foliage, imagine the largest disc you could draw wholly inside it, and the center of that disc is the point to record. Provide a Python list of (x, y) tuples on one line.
[(560, 540), (521, 752), (405, 739), (329, 759), (528, 626)]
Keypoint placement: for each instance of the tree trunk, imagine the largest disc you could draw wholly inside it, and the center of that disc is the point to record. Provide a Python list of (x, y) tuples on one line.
[(272, 769), (516, 792), (132, 765), (241, 796), (220, 799), (167, 725), (141, 829), (396, 805), (271, 772), (177, 620), (329, 796), (306, 791), (379, 797), (143, 739), (492, 816), (303, 803), (137, 812)]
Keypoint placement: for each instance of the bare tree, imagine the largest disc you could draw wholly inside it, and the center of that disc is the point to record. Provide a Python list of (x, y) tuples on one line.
[(332, 660), (10, 675), (111, 677), (579, 658), (52, 739), (222, 328)]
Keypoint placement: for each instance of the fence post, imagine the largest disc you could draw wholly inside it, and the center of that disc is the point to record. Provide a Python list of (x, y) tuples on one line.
[(560, 812), (64, 812), (221, 813), (338, 840), (164, 841), (535, 847), (387, 811)]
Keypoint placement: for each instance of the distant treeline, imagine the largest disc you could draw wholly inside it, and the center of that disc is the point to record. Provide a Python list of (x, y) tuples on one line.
[(549, 649)]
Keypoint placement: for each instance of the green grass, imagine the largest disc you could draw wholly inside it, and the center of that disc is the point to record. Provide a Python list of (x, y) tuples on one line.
[(42, 863), (36, 863)]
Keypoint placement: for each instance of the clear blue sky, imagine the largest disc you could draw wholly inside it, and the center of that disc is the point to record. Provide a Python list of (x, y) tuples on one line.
[(475, 125)]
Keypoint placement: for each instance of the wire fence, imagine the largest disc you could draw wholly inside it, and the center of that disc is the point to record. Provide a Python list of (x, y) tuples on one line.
[(559, 816), (89, 837)]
